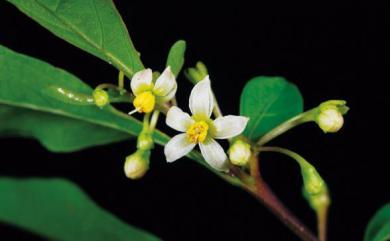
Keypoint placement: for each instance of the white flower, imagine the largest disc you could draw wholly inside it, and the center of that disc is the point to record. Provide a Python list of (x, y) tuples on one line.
[(200, 129), (148, 93)]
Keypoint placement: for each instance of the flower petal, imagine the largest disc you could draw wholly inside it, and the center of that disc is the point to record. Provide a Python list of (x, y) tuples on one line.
[(201, 99), (178, 119), (214, 154), (141, 81), (229, 126), (169, 96), (177, 147), (165, 84)]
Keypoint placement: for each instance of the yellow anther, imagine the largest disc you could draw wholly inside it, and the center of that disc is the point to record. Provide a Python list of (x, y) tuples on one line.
[(145, 102), (197, 132)]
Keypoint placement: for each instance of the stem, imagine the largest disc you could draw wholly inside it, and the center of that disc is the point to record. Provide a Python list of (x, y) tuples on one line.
[(174, 101), (264, 194), (153, 121), (322, 215), (108, 86), (287, 125), (121, 80), (145, 123), (298, 158)]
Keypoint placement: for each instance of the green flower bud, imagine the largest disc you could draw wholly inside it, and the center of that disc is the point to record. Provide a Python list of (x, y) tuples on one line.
[(201, 67), (317, 201), (239, 153), (145, 141), (313, 182), (137, 164), (100, 97), (198, 73)]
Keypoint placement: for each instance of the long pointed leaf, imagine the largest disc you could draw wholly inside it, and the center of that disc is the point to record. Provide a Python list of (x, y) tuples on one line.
[(26, 110), (92, 25)]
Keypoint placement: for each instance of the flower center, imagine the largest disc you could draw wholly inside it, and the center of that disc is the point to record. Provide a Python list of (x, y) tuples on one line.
[(197, 132), (145, 102)]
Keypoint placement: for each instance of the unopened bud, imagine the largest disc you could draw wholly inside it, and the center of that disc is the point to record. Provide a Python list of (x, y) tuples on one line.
[(330, 120), (198, 73), (317, 201), (201, 67), (137, 164), (239, 153), (145, 141), (100, 97), (312, 181), (330, 115)]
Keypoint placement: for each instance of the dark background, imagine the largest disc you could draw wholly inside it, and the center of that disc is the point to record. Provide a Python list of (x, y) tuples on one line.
[(330, 51)]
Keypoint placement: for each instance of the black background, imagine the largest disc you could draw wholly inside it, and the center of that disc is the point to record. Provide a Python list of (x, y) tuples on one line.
[(330, 51)]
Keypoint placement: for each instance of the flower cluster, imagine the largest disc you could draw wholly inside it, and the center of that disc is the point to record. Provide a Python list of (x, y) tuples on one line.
[(205, 125), (198, 128)]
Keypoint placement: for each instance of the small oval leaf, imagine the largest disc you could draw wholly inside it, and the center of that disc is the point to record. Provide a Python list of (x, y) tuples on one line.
[(268, 101)]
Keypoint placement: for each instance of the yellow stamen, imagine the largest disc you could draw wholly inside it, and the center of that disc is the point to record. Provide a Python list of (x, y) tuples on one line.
[(197, 132), (145, 102)]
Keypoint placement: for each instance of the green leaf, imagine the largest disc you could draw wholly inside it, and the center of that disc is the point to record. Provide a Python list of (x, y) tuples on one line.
[(176, 56), (268, 101), (378, 228), (92, 25), (27, 110), (58, 210)]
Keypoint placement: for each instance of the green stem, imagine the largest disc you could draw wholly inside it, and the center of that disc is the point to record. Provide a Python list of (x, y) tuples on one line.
[(301, 161), (154, 120), (145, 123), (108, 86), (287, 125), (121, 81)]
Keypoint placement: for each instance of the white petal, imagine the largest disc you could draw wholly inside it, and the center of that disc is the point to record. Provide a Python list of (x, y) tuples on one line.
[(201, 99), (169, 96), (165, 84), (214, 154), (178, 119), (177, 147), (229, 126), (141, 81)]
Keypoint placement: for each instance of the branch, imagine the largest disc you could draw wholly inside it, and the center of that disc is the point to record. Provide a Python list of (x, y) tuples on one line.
[(263, 193)]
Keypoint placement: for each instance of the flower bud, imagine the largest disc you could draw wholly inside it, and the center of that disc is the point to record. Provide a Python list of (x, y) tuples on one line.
[(100, 97), (198, 73), (239, 153), (312, 181), (201, 67), (145, 141), (330, 120), (137, 164), (317, 201)]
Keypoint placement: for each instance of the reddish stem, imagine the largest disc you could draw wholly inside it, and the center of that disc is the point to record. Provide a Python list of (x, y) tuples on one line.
[(263, 193)]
